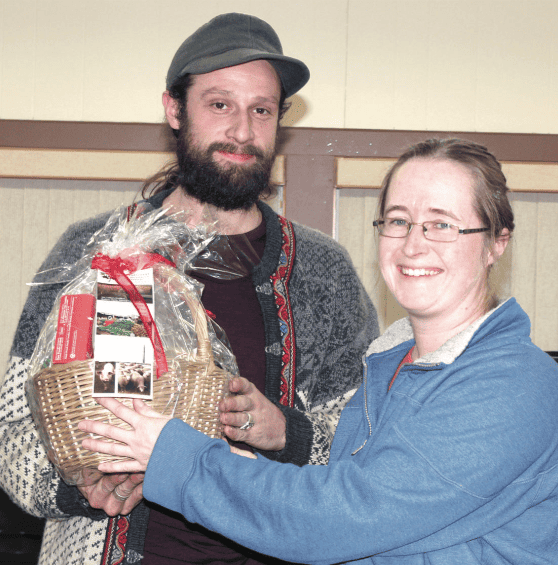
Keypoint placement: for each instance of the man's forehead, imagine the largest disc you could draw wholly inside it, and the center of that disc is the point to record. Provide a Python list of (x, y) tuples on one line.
[(259, 72)]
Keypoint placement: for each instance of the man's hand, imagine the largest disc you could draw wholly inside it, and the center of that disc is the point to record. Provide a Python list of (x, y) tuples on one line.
[(115, 494), (248, 404)]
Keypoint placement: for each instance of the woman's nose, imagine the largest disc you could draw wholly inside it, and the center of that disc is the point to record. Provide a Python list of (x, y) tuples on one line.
[(415, 242)]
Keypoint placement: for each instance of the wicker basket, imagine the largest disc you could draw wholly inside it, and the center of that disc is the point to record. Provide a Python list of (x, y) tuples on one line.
[(62, 396)]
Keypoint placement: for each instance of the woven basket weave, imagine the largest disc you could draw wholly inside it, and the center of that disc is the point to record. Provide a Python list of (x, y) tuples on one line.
[(63, 396)]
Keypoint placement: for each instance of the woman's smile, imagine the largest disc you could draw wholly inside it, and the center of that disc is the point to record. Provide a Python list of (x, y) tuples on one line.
[(419, 272)]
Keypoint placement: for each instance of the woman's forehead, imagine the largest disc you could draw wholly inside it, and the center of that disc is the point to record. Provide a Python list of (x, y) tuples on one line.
[(431, 185)]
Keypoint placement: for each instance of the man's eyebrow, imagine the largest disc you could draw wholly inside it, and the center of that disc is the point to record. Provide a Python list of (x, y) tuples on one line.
[(212, 91), (272, 99), (221, 92)]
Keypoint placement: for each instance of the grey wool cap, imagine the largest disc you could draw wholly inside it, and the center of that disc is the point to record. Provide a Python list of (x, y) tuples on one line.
[(233, 39)]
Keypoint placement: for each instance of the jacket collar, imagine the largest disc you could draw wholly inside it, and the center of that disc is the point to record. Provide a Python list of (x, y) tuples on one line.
[(401, 332)]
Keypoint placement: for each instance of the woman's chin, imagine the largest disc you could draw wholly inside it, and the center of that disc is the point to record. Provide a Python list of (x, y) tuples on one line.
[(419, 306)]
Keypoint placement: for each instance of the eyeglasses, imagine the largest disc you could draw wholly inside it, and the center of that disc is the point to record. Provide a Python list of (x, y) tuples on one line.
[(434, 231)]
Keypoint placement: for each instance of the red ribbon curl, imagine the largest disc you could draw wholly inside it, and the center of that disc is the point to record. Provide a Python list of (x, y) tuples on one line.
[(118, 268)]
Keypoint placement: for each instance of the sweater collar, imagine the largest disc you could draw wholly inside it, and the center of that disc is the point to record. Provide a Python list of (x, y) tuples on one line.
[(157, 200)]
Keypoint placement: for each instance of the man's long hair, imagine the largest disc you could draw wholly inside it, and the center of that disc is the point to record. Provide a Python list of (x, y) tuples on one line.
[(169, 176)]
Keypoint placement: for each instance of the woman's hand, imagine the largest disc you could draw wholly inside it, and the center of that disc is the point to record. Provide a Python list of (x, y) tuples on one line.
[(136, 444), (248, 405)]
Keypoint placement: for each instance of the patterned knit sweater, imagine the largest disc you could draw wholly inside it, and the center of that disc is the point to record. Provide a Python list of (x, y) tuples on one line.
[(318, 322)]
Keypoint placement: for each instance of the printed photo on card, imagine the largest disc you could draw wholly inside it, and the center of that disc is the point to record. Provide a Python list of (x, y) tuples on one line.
[(105, 378), (134, 379), (123, 379), (111, 323)]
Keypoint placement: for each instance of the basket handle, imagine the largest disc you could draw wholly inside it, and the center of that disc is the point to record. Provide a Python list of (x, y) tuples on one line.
[(199, 315)]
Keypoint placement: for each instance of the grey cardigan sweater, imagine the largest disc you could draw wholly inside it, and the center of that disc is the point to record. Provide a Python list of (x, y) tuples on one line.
[(318, 322)]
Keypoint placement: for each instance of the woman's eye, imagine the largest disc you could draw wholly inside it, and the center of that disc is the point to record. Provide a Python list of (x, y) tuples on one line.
[(399, 222), (442, 226)]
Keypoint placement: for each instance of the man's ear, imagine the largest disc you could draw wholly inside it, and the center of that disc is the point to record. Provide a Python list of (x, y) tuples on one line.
[(171, 110), (499, 246)]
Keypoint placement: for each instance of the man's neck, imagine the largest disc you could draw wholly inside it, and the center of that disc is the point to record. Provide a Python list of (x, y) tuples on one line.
[(230, 222)]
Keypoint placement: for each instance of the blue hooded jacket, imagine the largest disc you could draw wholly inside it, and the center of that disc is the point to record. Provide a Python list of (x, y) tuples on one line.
[(456, 465)]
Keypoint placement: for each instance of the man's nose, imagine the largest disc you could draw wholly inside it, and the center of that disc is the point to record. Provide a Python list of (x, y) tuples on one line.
[(241, 127)]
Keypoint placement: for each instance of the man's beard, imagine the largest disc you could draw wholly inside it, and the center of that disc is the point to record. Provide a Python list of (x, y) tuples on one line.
[(235, 187)]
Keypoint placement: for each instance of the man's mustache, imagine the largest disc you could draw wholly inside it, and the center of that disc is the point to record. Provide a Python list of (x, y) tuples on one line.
[(235, 149)]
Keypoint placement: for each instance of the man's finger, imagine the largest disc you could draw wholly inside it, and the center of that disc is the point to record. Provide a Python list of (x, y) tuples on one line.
[(240, 385), (236, 404)]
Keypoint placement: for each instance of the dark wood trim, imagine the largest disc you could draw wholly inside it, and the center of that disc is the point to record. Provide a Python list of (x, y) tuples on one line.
[(111, 136), (85, 136), (391, 143)]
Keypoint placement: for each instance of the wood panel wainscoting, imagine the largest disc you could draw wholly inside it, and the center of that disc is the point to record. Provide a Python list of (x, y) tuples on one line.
[(55, 173)]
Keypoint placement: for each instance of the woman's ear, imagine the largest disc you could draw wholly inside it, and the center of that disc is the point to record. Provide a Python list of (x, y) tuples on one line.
[(499, 246), (171, 110)]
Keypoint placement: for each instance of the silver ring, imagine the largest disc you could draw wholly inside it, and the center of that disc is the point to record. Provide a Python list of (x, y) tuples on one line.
[(247, 425), (118, 496)]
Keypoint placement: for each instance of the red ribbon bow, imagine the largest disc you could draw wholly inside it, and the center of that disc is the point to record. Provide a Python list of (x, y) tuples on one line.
[(118, 269)]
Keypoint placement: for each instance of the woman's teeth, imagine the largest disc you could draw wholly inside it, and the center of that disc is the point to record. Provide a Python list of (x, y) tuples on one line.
[(418, 272)]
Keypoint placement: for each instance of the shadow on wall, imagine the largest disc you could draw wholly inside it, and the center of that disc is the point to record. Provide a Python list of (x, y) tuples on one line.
[(296, 112)]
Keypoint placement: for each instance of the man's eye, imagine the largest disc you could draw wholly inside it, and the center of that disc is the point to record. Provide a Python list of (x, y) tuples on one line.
[(219, 105), (262, 111)]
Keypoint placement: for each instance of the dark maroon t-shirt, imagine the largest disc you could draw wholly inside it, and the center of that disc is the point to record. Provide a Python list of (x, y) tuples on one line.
[(170, 539)]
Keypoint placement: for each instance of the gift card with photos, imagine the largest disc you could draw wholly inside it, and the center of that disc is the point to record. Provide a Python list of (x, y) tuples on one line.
[(123, 350)]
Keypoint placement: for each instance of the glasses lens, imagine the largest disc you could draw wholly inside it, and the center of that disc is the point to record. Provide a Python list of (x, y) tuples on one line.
[(394, 227), (440, 231)]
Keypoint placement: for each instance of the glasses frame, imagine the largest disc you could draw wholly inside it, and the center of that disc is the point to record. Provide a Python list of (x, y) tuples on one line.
[(460, 231)]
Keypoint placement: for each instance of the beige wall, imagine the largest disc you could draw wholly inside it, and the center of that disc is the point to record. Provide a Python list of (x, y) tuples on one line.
[(450, 65), (35, 214)]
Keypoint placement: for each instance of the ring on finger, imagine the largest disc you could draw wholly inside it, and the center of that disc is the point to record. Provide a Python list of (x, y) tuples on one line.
[(247, 425), (118, 496)]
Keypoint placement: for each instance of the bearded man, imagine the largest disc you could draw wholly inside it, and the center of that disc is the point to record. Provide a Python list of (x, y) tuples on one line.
[(300, 363)]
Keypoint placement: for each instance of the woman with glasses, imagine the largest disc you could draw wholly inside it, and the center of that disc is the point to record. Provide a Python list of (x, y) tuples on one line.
[(446, 455)]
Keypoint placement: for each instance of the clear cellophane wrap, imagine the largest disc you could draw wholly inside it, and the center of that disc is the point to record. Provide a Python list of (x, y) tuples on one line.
[(197, 363)]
